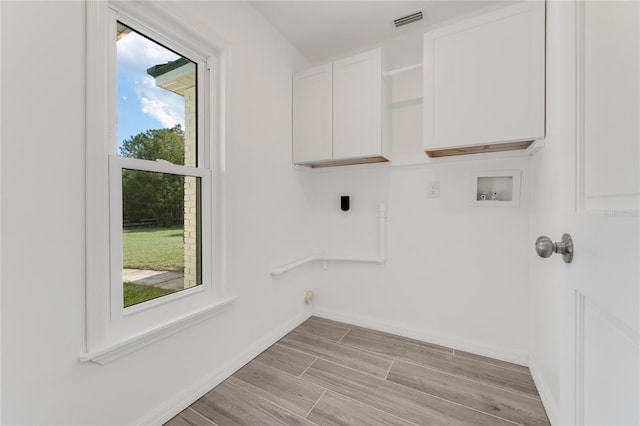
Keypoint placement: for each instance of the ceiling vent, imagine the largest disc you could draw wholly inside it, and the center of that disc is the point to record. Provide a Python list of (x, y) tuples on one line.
[(414, 17)]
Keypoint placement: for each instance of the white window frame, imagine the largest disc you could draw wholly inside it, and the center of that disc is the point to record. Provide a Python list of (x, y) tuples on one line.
[(112, 330)]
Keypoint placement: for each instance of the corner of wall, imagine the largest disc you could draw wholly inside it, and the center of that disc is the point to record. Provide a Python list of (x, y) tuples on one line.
[(549, 403)]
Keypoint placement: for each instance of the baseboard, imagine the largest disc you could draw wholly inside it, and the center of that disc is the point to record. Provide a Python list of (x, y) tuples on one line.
[(550, 405), (182, 400), (428, 336)]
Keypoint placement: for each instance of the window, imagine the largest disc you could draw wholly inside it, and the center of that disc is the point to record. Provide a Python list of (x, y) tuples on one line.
[(158, 239), (153, 264)]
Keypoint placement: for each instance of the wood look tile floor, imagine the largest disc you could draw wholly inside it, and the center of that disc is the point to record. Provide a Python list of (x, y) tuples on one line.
[(329, 373)]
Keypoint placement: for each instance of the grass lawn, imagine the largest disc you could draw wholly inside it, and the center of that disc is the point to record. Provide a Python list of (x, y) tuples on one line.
[(158, 249), (136, 293)]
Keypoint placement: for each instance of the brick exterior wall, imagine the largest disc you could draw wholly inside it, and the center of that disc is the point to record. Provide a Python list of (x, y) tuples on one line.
[(191, 249)]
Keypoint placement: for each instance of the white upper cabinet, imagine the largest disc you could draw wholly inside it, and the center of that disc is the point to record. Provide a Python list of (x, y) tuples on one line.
[(357, 90), (337, 113), (312, 115), (484, 82)]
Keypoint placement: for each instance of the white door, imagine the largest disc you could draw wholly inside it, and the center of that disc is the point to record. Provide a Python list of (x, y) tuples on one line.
[(604, 277)]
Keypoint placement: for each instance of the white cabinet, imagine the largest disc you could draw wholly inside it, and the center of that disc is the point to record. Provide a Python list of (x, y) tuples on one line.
[(357, 99), (337, 113), (484, 82), (312, 115)]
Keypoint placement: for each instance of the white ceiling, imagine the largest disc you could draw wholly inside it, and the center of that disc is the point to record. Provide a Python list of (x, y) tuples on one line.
[(322, 30)]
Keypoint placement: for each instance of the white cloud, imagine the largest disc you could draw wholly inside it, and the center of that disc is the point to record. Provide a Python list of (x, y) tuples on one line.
[(148, 81), (160, 111), (160, 104), (135, 55), (135, 49)]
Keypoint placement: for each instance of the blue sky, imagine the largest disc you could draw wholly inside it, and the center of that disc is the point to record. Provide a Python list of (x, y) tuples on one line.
[(141, 105)]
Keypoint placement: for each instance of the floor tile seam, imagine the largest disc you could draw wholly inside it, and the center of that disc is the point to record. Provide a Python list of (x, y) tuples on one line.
[(418, 364), (284, 346), (303, 352), (310, 333), (457, 403), (359, 401), (252, 385), (386, 376), (373, 407), (344, 335), (210, 422), (418, 344), (334, 362), (422, 350), (392, 359), (274, 368), (519, 370), (315, 403), (387, 357), (480, 382), (409, 340), (439, 349), (376, 354), (424, 393), (315, 336), (308, 367), (288, 374), (330, 322), (370, 352), (347, 367), (269, 401)]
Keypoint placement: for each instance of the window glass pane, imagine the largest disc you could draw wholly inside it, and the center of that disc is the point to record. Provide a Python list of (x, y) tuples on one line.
[(156, 100), (161, 247)]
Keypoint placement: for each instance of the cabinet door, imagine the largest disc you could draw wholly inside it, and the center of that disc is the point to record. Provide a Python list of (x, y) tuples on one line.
[(312, 120), (357, 87), (484, 79)]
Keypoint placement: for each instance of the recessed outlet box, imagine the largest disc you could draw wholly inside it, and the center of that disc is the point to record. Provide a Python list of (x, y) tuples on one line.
[(496, 188)]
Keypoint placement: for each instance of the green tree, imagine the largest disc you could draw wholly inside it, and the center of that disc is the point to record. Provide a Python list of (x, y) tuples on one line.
[(151, 195), (156, 144)]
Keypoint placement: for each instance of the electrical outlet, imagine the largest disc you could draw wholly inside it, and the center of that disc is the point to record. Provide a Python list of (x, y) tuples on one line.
[(434, 189)]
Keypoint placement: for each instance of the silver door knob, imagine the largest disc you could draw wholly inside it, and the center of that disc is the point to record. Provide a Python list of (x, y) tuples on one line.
[(545, 247)]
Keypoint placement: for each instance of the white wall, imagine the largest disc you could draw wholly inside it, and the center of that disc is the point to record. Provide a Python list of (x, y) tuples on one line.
[(43, 308), (455, 274)]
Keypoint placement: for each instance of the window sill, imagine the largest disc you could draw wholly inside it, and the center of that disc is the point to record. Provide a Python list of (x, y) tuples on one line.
[(118, 350)]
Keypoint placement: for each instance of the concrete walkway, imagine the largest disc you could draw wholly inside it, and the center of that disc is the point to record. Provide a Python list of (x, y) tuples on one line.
[(161, 279)]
